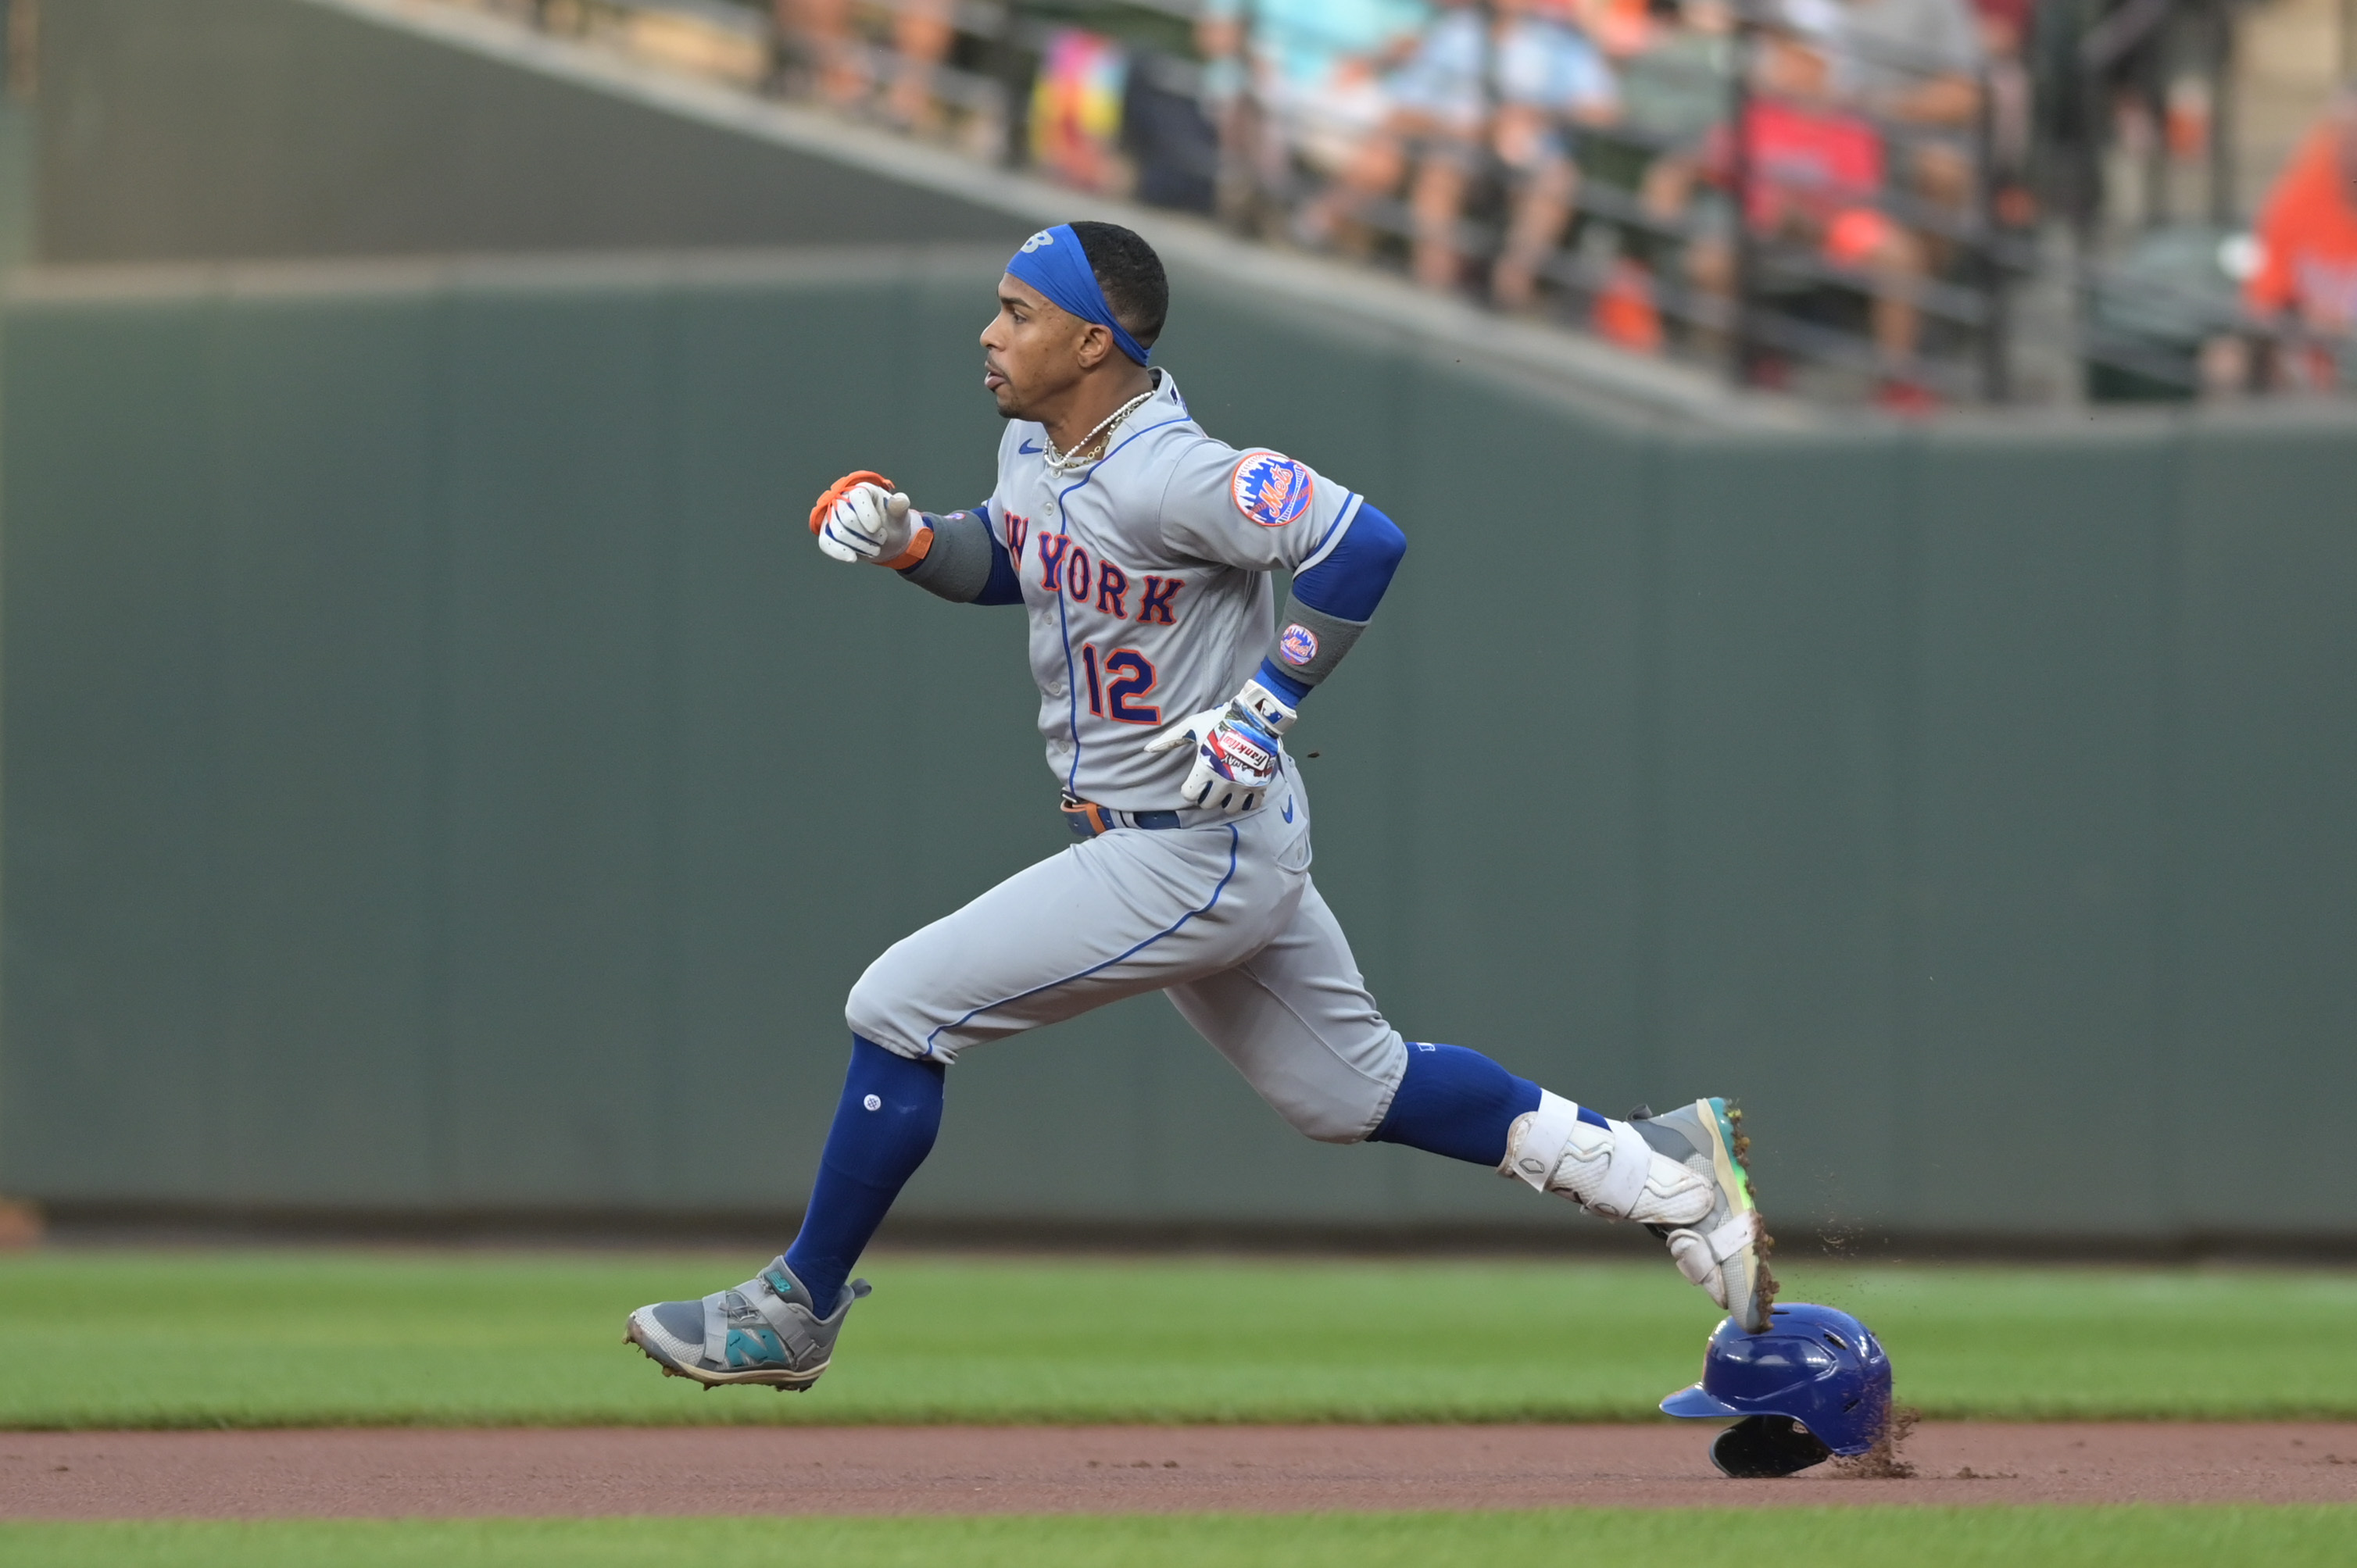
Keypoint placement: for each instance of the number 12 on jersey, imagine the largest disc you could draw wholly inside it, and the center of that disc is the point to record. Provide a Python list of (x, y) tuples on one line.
[(1116, 681)]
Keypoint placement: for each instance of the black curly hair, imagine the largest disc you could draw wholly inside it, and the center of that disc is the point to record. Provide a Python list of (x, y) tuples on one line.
[(1130, 274)]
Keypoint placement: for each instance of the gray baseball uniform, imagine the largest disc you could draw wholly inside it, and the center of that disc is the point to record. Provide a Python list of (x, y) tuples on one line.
[(1145, 575), (1147, 580)]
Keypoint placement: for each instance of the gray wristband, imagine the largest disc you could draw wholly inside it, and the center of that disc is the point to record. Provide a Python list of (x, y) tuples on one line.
[(957, 568), (1310, 643)]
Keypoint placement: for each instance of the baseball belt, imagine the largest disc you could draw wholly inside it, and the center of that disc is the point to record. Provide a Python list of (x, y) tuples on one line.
[(1087, 819)]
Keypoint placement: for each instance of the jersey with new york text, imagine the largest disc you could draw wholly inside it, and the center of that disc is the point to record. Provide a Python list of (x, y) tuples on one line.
[(1145, 575)]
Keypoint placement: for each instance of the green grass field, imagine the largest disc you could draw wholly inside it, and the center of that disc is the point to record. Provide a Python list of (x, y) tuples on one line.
[(187, 1339), (2134, 1537)]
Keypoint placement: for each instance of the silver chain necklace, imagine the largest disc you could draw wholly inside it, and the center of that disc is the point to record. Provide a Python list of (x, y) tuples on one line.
[(1063, 463)]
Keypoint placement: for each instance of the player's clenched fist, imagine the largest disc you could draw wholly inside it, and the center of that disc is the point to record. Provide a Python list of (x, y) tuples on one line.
[(1236, 750), (862, 518)]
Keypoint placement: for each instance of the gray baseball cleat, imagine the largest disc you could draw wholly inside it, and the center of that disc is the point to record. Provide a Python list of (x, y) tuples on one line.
[(1726, 1250), (761, 1332)]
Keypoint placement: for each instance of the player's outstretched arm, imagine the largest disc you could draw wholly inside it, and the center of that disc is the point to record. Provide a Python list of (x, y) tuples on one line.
[(861, 517)]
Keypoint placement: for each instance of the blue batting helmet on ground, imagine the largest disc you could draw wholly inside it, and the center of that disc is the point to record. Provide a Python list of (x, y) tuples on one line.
[(1814, 1365)]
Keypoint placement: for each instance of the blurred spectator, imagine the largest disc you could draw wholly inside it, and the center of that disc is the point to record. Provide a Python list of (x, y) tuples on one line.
[(1675, 88), (923, 32), (1168, 135), (1302, 79), (1484, 81), (1620, 27), (1551, 83), (1412, 120), (1908, 63), (821, 31), (839, 59), (1914, 61), (2307, 273), (2004, 27), (1673, 93), (1815, 171)]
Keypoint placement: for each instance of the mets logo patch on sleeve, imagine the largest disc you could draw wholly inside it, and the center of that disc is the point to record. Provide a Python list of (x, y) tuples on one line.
[(1299, 644), (1270, 488)]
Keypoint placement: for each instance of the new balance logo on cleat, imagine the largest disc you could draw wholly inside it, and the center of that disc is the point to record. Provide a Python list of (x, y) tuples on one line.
[(757, 1333), (754, 1349)]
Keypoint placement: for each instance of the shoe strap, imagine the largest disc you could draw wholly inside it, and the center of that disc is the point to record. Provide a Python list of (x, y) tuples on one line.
[(791, 1322), (790, 1319), (1624, 1182), (1542, 1139), (716, 1328), (1739, 1232), (1536, 1142)]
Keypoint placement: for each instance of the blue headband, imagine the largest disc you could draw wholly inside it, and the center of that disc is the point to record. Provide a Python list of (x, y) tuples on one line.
[(1053, 263)]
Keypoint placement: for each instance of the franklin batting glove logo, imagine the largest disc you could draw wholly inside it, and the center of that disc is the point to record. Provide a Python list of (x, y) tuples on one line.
[(1234, 756)]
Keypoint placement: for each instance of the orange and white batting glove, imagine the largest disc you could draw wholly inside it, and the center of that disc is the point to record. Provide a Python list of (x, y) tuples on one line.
[(862, 518)]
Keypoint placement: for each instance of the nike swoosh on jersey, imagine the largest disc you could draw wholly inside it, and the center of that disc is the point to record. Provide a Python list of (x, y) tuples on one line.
[(1288, 808), (1027, 450)]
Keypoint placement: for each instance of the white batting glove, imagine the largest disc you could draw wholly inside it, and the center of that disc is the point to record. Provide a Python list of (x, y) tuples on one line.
[(869, 523), (1237, 757)]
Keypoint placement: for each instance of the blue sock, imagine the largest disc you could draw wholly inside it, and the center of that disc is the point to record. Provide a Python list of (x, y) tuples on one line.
[(1459, 1102), (883, 1130)]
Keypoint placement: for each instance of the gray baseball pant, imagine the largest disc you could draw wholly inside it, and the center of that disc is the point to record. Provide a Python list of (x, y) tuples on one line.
[(1222, 916)]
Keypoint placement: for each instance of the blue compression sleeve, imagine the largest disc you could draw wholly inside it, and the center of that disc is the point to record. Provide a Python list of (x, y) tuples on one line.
[(1460, 1103), (1348, 584), (884, 1128)]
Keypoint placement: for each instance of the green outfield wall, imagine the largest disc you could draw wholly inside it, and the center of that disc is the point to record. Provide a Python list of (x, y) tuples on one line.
[(173, 129), (439, 773)]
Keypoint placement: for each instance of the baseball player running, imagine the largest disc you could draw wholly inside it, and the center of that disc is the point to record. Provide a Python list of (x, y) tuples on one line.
[(1141, 550)]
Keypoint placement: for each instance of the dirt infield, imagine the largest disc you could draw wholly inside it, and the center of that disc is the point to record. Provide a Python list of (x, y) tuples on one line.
[(933, 1470)]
